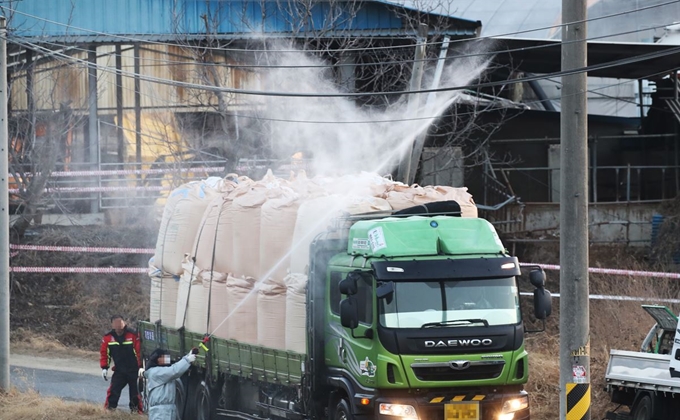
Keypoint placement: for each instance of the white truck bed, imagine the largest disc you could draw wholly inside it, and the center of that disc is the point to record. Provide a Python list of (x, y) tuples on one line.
[(641, 371)]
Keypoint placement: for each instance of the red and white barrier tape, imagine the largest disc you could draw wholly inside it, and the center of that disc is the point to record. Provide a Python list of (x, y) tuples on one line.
[(128, 172), (615, 297), (612, 271), (96, 189), (108, 250), (88, 270)]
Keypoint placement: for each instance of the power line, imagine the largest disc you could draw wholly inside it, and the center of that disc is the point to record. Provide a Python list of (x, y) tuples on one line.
[(601, 66), (254, 117), (18, 40), (141, 40)]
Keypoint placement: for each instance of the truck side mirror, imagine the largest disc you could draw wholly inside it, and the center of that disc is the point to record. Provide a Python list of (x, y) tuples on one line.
[(537, 278), (542, 303), (349, 313), (348, 285)]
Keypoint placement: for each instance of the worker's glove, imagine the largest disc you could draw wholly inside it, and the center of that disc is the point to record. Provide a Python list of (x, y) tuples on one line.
[(140, 373), (105, 373), (191, 357)]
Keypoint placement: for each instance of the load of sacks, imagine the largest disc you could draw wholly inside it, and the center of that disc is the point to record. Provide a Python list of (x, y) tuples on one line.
[(232, 253)]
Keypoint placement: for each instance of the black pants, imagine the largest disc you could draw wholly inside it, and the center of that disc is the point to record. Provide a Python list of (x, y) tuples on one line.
[(118, 382)]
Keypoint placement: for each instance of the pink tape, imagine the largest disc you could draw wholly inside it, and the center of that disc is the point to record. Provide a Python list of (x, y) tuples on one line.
[(96, 270), (128, 172), (108, 250), (96, 189), (613, 271)]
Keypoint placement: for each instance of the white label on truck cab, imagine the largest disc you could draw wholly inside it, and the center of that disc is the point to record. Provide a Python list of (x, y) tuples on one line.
[(360, 243), (376, 238)]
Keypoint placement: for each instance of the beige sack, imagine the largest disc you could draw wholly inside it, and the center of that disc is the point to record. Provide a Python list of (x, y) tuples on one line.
[(316, 215), (247, 211), (313, 217), (163, 296), (190, 295), (460, 195), (242, 303), (277, 226), (181, 218), (296, 313), (271, 315), (215, 236), (402, 196), (219, 306)]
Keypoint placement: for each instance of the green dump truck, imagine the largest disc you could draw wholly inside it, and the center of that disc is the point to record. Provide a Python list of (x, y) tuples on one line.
[(409, 317)]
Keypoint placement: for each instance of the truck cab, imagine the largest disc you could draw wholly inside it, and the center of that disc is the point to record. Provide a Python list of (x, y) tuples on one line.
[(422, 319)]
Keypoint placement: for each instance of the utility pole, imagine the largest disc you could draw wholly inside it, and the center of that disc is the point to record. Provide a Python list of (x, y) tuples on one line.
[(574, 289), (93, 122), (4, 214), (414, 98)]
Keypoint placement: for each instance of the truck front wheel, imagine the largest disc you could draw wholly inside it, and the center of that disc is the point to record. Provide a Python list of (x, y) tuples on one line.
[(343, 411)]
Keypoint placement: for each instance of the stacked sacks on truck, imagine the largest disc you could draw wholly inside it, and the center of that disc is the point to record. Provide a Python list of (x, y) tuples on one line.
[(181, 219), (213, 245), (277, 225), (247, 210), (296, 313), (271, 314), (215, 293), (242, 304), (402, 196), (191, 306), (163, 296), (315, 216)]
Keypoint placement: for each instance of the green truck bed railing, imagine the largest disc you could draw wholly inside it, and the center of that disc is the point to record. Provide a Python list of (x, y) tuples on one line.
[(227, 356)]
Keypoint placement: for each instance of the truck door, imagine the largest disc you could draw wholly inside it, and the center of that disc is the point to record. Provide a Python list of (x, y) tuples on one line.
[(351, 352)]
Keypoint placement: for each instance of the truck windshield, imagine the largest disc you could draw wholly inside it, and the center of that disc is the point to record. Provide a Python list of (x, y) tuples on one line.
[(440, 303)]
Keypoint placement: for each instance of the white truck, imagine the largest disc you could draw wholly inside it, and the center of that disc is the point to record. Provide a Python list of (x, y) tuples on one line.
[(648, 381)]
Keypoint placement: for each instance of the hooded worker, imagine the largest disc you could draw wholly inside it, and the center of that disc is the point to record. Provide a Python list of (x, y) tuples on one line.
[(161, 375)]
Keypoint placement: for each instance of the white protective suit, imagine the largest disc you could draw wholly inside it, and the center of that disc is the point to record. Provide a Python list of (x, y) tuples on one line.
[(161, 386)]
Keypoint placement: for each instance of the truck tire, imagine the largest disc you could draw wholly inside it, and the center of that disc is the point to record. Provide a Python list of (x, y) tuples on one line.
[(206, 403), (180, 397), (343, 411), (643, 409)]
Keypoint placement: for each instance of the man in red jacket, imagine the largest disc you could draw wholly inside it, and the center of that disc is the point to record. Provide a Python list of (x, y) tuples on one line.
[(122, 345)]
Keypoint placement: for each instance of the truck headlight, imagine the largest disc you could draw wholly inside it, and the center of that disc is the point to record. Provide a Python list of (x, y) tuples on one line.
[(515, 404), (399, 410)]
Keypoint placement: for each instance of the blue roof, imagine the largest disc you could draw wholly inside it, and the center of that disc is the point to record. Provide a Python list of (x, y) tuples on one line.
[(106, 20)]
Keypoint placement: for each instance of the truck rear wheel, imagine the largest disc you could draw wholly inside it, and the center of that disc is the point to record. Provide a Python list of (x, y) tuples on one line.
[(643, 409), (205, 402), (180, 397), (343, 411)]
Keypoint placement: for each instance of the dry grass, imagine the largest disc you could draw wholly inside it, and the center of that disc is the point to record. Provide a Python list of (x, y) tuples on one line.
[(16, 405), (27, 343), (614, 324)]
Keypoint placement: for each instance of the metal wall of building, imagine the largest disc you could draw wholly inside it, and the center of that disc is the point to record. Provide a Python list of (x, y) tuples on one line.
[(65, 81)]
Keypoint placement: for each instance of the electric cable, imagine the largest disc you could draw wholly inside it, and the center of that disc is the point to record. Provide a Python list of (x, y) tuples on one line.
[(587, 68)]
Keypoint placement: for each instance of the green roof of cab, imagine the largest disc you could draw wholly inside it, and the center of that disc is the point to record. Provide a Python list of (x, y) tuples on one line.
[(419, 236)]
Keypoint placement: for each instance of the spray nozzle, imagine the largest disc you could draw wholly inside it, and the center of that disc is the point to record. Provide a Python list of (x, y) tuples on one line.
[(203, 343)]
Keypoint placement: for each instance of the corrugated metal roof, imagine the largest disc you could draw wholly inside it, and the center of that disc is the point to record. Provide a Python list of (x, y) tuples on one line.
[(102, 20)]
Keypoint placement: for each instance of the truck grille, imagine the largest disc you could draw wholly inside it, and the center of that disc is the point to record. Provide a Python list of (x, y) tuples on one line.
[(445, 371)]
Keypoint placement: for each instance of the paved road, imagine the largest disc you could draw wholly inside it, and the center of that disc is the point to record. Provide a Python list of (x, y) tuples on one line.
[(70, 379)]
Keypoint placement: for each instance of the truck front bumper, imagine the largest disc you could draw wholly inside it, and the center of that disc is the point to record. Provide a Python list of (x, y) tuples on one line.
[(453, 406)]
